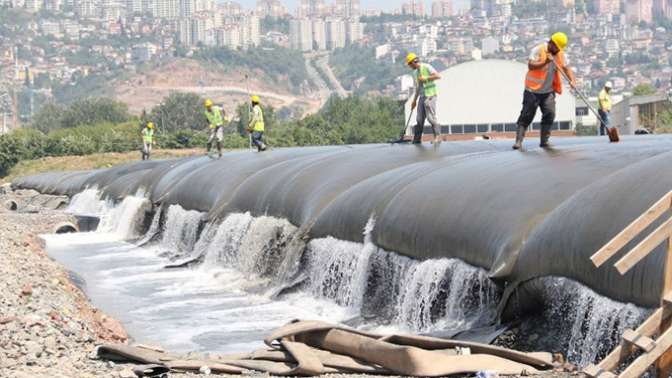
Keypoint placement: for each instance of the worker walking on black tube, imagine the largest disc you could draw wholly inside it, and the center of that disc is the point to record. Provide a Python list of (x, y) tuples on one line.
[(542, 83), (256, 124), (425, 97), (215, 117), (147, 140), (604, 99)]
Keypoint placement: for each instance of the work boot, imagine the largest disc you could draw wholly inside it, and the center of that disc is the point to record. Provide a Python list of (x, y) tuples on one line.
[(543, 139), (520, 135), (417, 134)]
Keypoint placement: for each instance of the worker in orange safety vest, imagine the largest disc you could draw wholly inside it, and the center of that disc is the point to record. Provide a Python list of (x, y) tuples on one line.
[(542, 83)]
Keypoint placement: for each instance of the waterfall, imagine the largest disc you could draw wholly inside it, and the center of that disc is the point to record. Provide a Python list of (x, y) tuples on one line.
[(87, 202), (417, 296), (154, 228), (579, 322), (223, 247), (180, 230), (126, 218)]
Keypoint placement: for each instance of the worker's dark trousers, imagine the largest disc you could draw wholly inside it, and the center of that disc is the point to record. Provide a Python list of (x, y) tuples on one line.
[(532, 101), (603, 125), (258, 139)]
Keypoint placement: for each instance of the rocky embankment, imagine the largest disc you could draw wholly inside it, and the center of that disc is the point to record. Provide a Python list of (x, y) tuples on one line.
[(47, 326)]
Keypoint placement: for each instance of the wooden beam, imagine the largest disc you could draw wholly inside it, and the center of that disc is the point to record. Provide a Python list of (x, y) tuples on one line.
[(647, 328), (595, 372), (642, 342), (639, 224), (664, 364), (642, 363), (645, 247)]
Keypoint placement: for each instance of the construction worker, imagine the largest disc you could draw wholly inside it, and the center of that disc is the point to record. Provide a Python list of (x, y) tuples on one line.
[(256, 124), (541, 85), (604, 100), (215, 117), (147, 140), (425, 91)]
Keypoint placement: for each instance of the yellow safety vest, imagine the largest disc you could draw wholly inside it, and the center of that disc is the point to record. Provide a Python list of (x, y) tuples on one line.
[(605, 100), (257, 118)]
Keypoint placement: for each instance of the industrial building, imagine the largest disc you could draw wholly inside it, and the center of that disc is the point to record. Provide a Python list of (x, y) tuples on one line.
[(485, 97)]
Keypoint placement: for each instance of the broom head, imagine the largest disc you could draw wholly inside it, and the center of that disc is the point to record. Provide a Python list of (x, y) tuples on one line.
[(612, 132)]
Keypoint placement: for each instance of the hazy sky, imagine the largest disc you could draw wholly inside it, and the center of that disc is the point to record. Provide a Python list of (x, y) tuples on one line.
[(386, 5)]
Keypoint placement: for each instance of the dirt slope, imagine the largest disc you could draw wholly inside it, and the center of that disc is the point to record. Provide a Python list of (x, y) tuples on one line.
[(224, 85)]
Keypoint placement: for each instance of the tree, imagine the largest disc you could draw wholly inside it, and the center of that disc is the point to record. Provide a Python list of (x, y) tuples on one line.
[(94, 110), (179, 111), (84, 112), (643, 90), (48, 118)]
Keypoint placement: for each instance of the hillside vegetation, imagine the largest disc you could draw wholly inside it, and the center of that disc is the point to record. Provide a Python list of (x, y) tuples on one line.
[(350, 120)]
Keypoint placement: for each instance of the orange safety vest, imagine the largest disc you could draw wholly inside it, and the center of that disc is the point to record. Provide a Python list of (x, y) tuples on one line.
[(535, 79)]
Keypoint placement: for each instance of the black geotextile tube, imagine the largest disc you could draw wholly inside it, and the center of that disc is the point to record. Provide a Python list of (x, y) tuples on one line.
[(519, 215)]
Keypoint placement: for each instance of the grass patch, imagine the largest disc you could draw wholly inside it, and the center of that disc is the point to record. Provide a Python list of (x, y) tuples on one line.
[(88, 162)]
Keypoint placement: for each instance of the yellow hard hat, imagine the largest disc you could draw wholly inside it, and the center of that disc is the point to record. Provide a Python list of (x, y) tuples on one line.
[(208, 103), (410, 57), (150, 125), (560, 40), (255, 98)]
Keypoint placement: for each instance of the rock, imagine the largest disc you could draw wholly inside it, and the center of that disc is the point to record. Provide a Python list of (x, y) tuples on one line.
[(33, 348), (7, 319), (205, 370), (127, 373), (32, 320), (94, 354), (53, 315), (110, 364), (50, 342), (26, 290), (114, 327)]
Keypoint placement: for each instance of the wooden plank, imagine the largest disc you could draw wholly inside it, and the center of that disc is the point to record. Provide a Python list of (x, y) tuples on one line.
[(664, 364), (642, 363), (642, 342), (645, 247), (667, 299), (633, 229), (595, 372), (647, 328)]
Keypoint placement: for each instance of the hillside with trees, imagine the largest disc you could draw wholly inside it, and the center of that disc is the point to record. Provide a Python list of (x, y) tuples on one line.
[(103, 125)]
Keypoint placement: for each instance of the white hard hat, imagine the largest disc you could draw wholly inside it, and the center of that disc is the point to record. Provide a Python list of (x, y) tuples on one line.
[(608, 84)]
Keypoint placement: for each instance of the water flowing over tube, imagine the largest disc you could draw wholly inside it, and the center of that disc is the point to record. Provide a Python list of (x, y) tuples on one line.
[(519, 216)]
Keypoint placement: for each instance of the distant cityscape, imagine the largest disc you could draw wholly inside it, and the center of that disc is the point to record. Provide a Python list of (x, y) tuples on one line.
[(628, 42)]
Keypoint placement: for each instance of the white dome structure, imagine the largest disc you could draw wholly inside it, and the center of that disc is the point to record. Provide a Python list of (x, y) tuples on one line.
[(486, 96)]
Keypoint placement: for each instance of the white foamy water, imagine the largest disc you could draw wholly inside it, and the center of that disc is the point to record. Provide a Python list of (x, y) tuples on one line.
[(590, 324), (180, 230), (87, 202), (126, 218), (209, 307), (218, 303)]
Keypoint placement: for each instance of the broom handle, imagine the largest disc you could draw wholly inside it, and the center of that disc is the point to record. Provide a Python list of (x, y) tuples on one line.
[(403, 132), (581, 95)]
